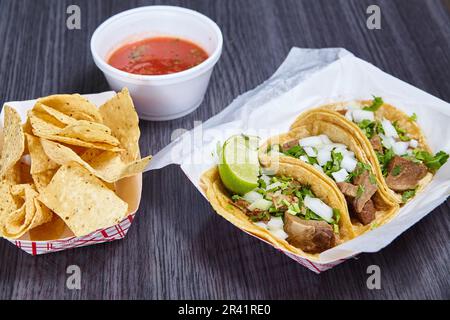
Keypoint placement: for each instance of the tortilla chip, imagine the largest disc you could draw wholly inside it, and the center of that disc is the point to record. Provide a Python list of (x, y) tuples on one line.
[(82, 200), (14, 174), (82, 133), (89, 132), (107, 166), (42, 179), (44, 124), (119, 114), (13, 140), (40, 162), (61, 117), (7, 203), (28, 216), (74, 106)]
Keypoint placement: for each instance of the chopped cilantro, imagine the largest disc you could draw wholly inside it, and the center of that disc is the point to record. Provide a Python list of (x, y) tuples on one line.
[(360, 191), (359, 170), (368, 127), (295, 151), (377, 102), (408, 195), (236, 197), (372, 178), (336, 215), (384, 160), (402, 135), (432, 162), (396, 170), (413, 117), (334, 164)]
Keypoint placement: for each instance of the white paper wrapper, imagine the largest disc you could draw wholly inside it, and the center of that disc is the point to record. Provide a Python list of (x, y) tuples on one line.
[(306, 79)]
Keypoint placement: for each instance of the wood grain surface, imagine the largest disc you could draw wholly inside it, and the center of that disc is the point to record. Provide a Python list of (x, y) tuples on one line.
[(178, 247)]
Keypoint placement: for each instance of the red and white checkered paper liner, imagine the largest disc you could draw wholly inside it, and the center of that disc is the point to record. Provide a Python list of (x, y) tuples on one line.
[(115, 232)]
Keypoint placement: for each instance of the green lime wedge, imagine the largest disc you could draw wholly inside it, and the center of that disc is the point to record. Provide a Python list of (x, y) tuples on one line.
[(239, 165)]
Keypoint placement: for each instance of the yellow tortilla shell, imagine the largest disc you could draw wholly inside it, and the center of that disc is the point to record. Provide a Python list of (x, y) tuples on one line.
[(220, 200), (329, 114), (387, 206)]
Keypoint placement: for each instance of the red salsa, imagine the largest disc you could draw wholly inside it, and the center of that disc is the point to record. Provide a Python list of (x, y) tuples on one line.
[(157, 56)]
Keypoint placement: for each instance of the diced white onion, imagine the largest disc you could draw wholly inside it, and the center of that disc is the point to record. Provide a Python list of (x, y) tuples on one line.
[(353, 105), (252, 196), (325, 139), (268, 171), (327, 147), (304, 159), (360, 115), (265, 178), (273, 185), (349, 163), (349, 115), (310, 151), (413, 143), (261, 204), (315, 165), (319, 207), (387, 142), (389, 129), (340, 176), (279, 233), (312, 141), (261, 224), (323, 156), (339, 146), (275, 223), (400, 148)]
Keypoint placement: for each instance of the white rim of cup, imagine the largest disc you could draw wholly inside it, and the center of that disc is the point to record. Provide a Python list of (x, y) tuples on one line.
[(182, 75)]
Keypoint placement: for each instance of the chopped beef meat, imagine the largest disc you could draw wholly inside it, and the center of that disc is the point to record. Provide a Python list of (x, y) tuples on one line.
[(348, 189), (242, 204), (368, 190), (254, 215), (342, 111), (375, 141), (280, 205), (367, 214), (309, 235), (404, 174), (289, 144)]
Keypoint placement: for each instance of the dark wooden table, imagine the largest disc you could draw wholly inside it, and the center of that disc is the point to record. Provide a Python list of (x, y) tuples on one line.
[(178, 247)]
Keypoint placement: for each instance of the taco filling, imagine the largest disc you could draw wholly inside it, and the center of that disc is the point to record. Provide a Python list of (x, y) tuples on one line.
[(402, 160), (291, 211), (354, 178)]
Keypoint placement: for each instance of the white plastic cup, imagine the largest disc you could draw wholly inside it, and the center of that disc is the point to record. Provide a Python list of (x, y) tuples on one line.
[(159, 97)]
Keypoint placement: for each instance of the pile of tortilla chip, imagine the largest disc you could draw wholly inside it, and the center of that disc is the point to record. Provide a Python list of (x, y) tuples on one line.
[(59, 169)]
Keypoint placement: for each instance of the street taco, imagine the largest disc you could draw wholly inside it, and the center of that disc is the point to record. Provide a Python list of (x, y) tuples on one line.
[(289, 206), (392, 141), (334, 154)]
